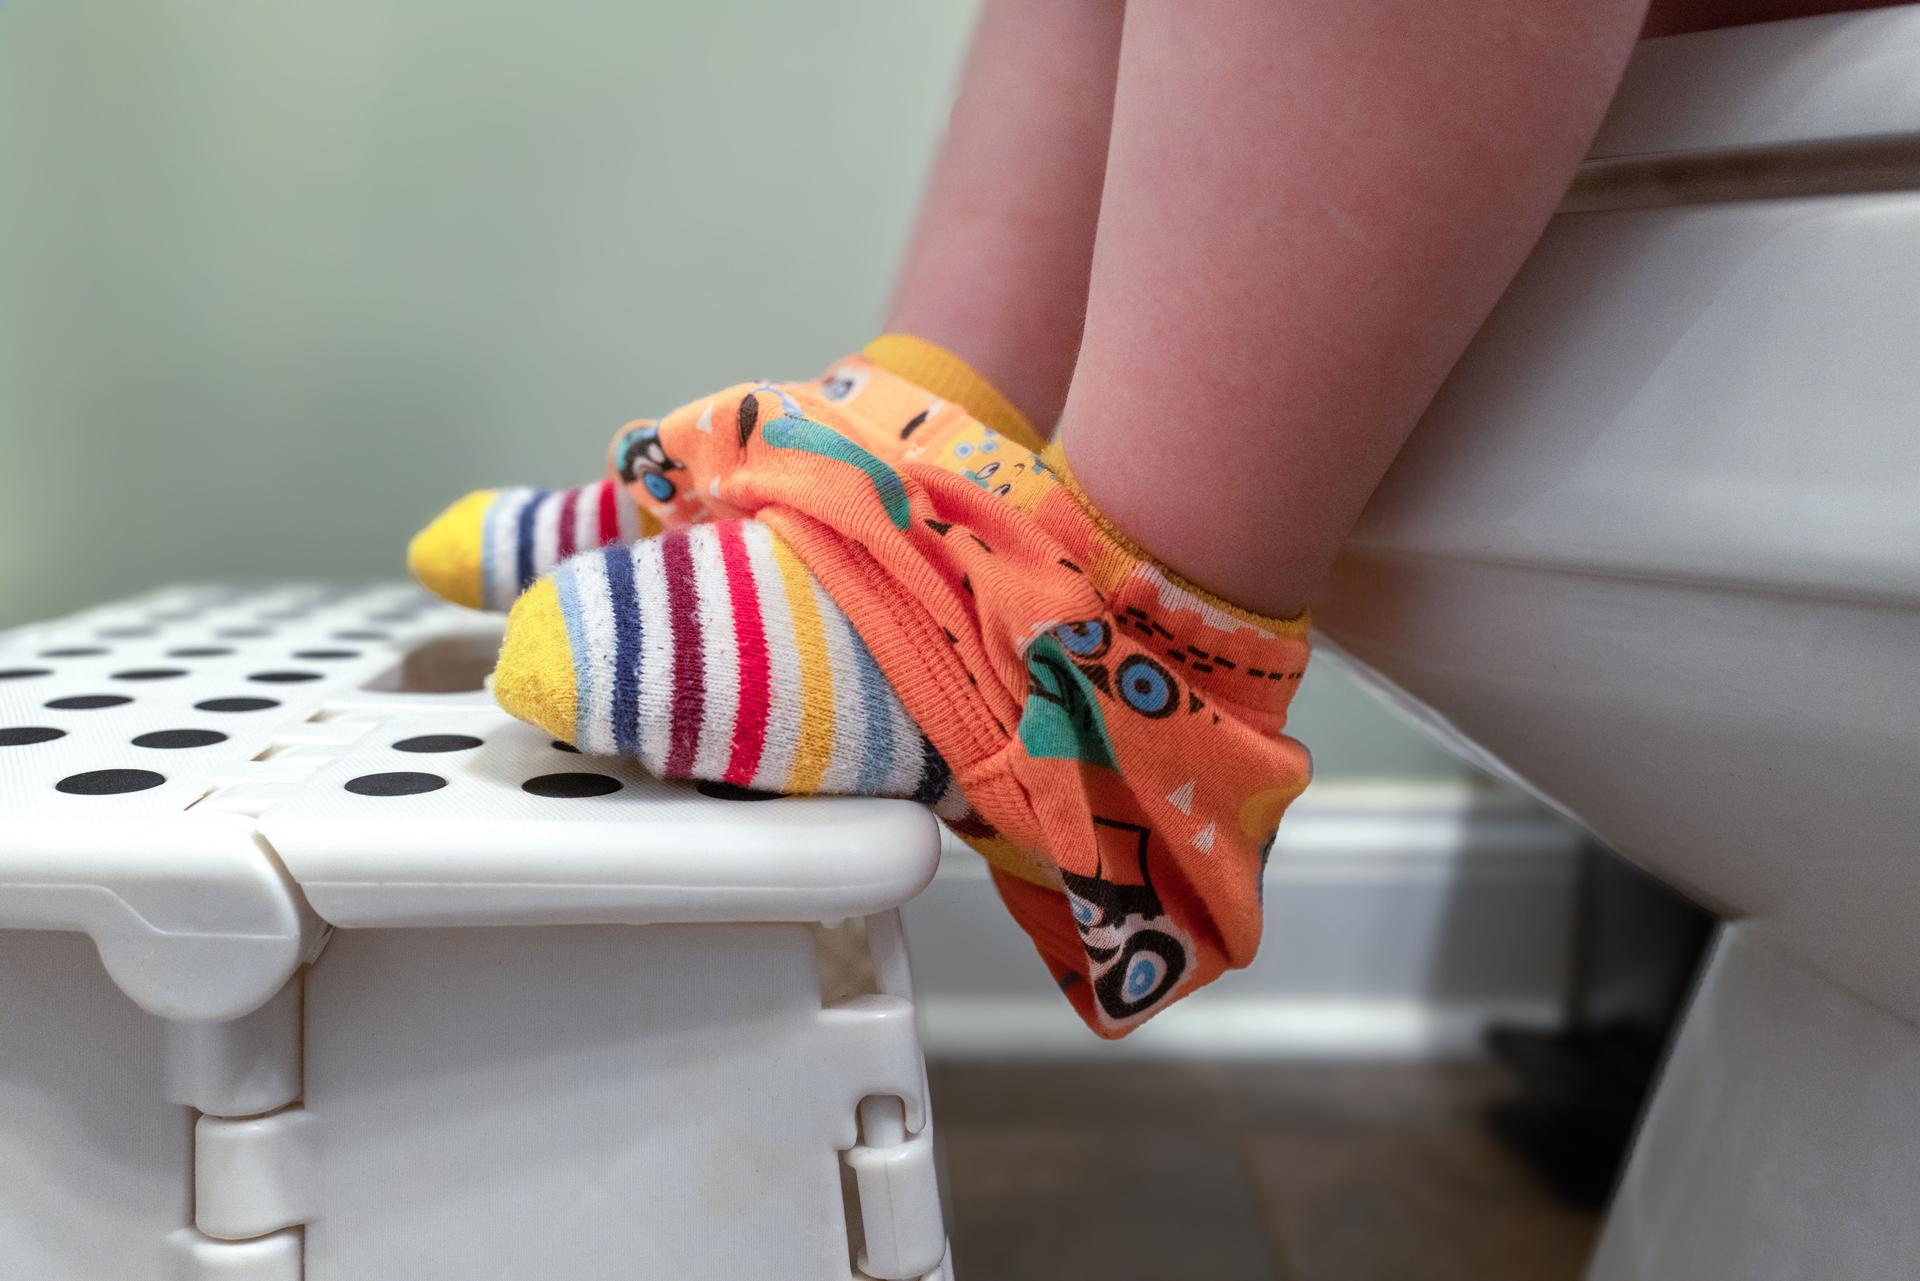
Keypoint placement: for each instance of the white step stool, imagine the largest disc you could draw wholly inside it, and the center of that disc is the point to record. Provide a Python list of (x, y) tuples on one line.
[(682, 1046)]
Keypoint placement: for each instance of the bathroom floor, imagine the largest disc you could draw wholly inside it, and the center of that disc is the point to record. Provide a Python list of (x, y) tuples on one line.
[(1150, 1172)]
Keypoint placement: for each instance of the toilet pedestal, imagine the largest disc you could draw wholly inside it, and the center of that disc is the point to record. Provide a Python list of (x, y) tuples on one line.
[(1782, 1137)]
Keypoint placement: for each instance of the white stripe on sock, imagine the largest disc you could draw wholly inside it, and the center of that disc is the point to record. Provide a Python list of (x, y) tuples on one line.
[(655, 736), (586, 518), (627, 514), (596, 616), (546, 532), (499, 585), (720, 653), (952, 803)]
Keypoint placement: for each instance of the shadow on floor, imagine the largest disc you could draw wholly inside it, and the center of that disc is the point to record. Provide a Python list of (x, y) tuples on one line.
[(1162, 1172)]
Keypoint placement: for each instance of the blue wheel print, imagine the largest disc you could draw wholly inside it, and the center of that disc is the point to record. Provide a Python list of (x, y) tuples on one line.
[(1146, 687), (1084, 913), (842, 385), (642, 449), (1142, 976), (1087, 639), (963, 450), (658, 487), (988, 445)]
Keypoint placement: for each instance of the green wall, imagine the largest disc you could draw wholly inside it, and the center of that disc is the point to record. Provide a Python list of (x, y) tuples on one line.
[(279, 279)]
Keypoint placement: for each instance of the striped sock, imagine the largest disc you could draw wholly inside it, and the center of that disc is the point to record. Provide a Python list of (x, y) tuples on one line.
[(486, 549), (712, 653)]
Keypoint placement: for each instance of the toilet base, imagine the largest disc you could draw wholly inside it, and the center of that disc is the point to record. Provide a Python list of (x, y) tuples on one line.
[(1781, 1141)]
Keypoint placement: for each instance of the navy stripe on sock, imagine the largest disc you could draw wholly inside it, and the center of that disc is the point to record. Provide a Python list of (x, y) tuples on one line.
[(523, 539), (625, 608), (934, 775)]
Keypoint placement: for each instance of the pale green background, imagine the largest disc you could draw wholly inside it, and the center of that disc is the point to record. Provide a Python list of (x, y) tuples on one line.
[(278, 279)]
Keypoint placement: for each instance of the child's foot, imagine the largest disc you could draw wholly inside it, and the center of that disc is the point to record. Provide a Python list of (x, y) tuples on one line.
[(712, 653), (1116, 731), (485, 549)]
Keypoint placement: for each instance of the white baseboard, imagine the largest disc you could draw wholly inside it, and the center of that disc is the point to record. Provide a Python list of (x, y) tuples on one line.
[(1231, 1028), (1401, 920)]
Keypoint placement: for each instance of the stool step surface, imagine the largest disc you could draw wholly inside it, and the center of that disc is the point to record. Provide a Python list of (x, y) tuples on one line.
[(204, 777)]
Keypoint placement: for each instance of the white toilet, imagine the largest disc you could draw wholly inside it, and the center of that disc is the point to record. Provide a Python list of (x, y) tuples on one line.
[(1655, 555)]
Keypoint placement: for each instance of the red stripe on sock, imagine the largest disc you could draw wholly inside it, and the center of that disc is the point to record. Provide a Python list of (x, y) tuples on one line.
[(609, 514), (750, 725), (568, 507), (689, 672)]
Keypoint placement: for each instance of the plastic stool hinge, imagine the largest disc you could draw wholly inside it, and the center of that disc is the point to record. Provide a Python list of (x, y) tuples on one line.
[(243, 1067), (899, 1208), (255, 1176), (193, 919), (888, 1139), (258, 786), (290, 758), (193, 1256), (875, 1041)]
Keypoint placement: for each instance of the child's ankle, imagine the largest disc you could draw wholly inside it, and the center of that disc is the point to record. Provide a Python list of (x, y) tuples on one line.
[(1125, 547), (947, 375)]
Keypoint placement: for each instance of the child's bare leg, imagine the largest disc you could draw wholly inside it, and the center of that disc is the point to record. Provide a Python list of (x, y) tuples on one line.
[(998, 269), (1309, 209)]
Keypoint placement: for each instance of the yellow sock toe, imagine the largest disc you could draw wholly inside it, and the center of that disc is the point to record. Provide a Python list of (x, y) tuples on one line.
[(446, 555), (534, 678)]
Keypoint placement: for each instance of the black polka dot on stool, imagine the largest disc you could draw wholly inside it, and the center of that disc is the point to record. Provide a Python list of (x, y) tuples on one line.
[(360, 634), (396, 783), (244, 633), (391, 616), (437, 743), (27, 735), (324, 654), (565, 747), (172, 738), (86, 702), (734, 792), (237, 704), (124, 633), (200, 651), (284, 678), (571, 785), (23, 673), (150, 674), (109, 782), (74, 651)]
